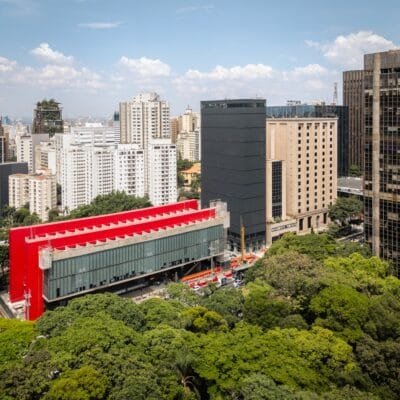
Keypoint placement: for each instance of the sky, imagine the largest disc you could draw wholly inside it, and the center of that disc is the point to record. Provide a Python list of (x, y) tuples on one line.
[(91, 54)]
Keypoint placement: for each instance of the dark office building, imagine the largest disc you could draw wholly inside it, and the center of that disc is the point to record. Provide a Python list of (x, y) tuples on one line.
[(48, 118), (233, 164), (353, 98), (382, 154), (6, 170), (321, 111), (3, 144)]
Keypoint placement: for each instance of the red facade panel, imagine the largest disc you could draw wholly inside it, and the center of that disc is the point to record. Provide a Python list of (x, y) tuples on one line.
[(26, 278)]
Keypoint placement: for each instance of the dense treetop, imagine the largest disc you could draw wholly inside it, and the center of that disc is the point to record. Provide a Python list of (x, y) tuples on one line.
[(313, 322)]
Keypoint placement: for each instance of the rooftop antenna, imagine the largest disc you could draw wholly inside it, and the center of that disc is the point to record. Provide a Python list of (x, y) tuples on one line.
[(335, 94)]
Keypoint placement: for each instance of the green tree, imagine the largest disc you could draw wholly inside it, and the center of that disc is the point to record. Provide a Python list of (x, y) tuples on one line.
[(200, 319), (182, 293), (344, 209), (110, 203), (227, 302), (157, 311), (15, 339), (82, 384), (342, 309), (263, 309), (54, 323), (183, 164), (355, 171)]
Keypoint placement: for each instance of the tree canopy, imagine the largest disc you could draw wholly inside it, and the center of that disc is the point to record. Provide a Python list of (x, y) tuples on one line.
[(314, 321)]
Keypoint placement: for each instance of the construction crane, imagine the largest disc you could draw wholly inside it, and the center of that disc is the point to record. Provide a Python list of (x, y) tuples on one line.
[(242, 241)]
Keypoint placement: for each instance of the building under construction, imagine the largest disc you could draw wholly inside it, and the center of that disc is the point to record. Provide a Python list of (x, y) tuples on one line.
[(48, 118)]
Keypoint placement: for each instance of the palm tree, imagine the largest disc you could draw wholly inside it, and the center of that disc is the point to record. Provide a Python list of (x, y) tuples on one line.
[(183, 368)]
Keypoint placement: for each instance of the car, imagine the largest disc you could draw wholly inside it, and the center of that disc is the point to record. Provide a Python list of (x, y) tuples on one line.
[(238, 283)]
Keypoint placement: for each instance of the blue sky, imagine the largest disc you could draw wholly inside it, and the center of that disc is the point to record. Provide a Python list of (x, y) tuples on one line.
[(91, 54)]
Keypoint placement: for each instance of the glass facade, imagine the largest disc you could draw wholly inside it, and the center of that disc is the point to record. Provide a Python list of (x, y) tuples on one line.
[(387, 173), (68, 277), (277, 189)]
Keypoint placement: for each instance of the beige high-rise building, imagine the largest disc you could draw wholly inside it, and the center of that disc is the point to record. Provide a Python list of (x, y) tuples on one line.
[(39, 190), (307, 176), (174, 127), (18, 190)]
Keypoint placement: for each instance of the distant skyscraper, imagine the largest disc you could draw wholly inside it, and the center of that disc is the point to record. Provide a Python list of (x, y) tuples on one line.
[(382, 154), (3, 144), (233, 164), (144, 118), (353, 98), (47, 118)]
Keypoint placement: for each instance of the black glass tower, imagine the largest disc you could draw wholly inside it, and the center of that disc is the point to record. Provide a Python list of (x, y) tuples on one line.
[(233, 160)]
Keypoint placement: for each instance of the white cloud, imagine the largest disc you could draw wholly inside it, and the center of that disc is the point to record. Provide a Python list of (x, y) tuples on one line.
[(50, 76), (6, 65), (305, 83), (47, 54), (348, 50), (310, 69), (247, 72), (100, 25), (146, 67)]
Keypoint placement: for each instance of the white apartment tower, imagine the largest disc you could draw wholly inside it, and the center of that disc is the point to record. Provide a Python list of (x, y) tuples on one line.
[(90, 171), (145, 122), (129, 169), (162, 172), (24, 149)]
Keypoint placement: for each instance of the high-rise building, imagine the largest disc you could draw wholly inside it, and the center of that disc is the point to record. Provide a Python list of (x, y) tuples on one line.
[(24, 150), (301, 174), (7, 169), (322, 111), (162, 172), (174, 127), (353, 98), (85, 172), (188, 139), (39, 190), (18, 190), (46, 157), (382, 154), (188, 146), (129, 169), (47, 118), (90, 171), (3, 144), (233, 165), (144, 120)]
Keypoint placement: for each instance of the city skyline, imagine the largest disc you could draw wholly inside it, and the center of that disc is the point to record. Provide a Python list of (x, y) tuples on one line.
[(93, 54)]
